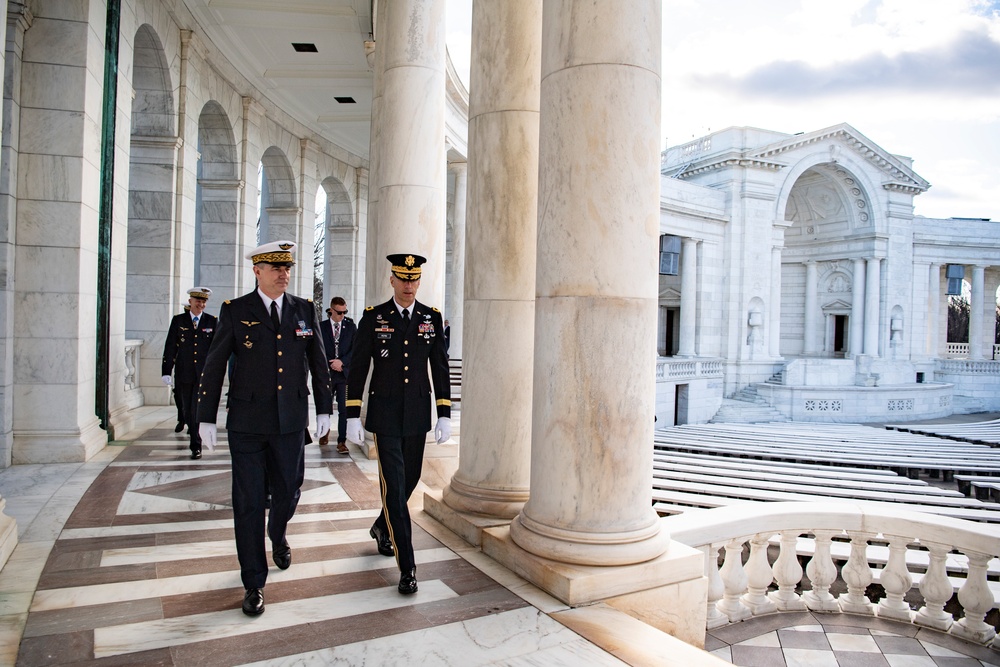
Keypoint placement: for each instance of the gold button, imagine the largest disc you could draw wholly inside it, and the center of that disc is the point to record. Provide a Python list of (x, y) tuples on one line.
[(281, 370), (407, 380), (279, 336), (406, 354), (406, 368), (279, 353), (406, 342), (279, 387)]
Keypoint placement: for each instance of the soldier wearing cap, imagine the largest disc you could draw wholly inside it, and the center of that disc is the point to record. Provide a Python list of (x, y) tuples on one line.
[(184, 352), (397, 340), (276, 343)]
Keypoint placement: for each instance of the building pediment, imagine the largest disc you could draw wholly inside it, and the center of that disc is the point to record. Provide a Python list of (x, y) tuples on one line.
[(837, 305)]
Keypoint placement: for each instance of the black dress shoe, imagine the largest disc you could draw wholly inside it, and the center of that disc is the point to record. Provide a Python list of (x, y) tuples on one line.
[(382, 540), (253, 602), (282, 555), (408, 582), (179, 427), (196, 454)]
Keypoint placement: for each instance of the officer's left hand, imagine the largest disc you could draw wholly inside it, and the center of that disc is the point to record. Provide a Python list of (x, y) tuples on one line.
[(322, 425), (442, 430)]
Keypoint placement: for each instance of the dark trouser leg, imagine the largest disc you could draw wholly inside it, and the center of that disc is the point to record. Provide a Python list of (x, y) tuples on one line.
[(179, 402), (187, 392), (249, 457), (400, 461), (340, 396), (285, 473)]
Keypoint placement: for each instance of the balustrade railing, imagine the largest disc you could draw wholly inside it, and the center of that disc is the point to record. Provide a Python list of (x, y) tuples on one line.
[(857, 543), (671, 368), (133, 394), (957, 350)]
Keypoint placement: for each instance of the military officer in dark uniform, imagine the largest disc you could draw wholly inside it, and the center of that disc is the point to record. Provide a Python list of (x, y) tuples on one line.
[(338, 341), (276, 343), (184, 353), (396, 340)]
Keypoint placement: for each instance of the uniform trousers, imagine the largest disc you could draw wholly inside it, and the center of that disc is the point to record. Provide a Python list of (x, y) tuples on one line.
[(339, 388), (263, 464), (187, 396), (400, 460)]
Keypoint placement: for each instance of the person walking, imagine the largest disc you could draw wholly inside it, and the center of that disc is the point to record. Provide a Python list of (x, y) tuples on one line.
[(338, 341)]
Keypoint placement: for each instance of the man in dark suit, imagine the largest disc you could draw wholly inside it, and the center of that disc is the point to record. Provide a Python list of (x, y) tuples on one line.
[(184, 352), (397, 340), (338, 341), (276, 343)]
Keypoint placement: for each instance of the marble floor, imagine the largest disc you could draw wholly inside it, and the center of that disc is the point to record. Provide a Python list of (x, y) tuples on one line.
[(129, 559)]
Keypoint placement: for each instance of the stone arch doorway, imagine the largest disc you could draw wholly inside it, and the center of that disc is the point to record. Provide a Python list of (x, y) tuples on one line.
[(340, 246), (218, 249)]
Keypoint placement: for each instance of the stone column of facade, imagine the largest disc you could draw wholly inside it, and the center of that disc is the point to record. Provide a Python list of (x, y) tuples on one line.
[(856, 344), (811, 316), (495, 448), (873, 272), (456, 303), (774, 321), (411, 166), (977, 304), (597, 234), (689, 296), (933, 309)]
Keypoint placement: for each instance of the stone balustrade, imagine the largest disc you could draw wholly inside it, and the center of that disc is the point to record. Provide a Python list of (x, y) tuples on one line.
[(676, 368), (857, 543), (133, 393)]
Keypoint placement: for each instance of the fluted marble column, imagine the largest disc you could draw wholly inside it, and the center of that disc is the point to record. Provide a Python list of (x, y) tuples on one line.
[(873, 282), (411, 164), (689, 295), (595, 311), (976, 307), (774, 321), (456, 303), (495, 449), (811, 317), (933, 309), (856, 343)]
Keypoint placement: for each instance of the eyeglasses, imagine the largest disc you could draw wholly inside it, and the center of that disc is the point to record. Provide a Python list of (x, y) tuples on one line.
[(340, 312)]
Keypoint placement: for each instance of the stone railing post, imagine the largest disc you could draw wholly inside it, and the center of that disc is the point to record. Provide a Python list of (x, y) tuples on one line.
[(896, 581), (977, 599), (857, 575), (787, 574), (734, 579), (936, 589), (759, 577), (822, 573)]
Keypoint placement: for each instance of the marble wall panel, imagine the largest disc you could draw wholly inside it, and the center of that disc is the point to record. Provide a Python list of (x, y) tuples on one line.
[(54, 316), (51, 270), (47, 86), (149, 261), (144, 232), (50, 177), (48, 223), (38, 361), (58, 42), (156, 176), (147, 289)]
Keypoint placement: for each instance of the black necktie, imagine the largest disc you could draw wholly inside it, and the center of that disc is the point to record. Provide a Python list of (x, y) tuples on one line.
[(406, 318), (274, 315)]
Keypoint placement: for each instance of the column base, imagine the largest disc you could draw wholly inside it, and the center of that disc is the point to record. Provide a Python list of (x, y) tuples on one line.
[(669, 592), (466, 525), (68, 446)]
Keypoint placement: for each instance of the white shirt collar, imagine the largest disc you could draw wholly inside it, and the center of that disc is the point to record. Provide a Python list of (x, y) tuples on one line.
[(267, 301), (399, 308)]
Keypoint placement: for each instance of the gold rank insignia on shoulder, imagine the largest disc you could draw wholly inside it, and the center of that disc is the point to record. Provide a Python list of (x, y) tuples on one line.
[(249, 324), (227, 301), (369, 308), (309, 300), (435, 309)]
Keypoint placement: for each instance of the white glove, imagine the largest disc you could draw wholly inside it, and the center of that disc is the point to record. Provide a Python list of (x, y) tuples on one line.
[(355, 431), (209, 435), (322, 425), (442, 430), (166, 380)]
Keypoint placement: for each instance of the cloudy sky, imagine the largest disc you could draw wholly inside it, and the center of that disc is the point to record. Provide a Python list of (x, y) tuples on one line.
[(921, 78)]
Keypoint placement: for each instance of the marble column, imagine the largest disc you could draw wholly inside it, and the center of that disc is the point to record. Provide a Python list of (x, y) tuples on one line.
[(774, 321), (456, 303), (411, 165), (689, 294), (598, 226), (933, 309), (873, 272), (856, 343), (976, 306), (495, 447), (811, 316)]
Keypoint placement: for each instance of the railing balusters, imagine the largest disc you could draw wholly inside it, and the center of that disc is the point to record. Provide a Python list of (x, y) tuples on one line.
[(716, 589), (857, 575), (734, 579), (822, 573), (896, 581), (976, 599), (935, 589), (787, 574), (759, 577)]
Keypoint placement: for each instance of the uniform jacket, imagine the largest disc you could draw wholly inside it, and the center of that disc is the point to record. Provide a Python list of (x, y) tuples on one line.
[(268, 392), (399, 394), (186, 347), (342, 351)]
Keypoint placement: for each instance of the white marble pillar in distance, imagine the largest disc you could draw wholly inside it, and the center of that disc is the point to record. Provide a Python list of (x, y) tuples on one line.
[(689, 295), (873, 281), (457, 301), (976, 307), (495, 448), (412, 178), (811, 316), (774, 321), (597, 286), (933, 309), (856, 344)]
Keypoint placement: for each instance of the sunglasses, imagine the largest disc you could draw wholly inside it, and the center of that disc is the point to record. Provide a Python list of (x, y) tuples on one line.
[(340, 312)]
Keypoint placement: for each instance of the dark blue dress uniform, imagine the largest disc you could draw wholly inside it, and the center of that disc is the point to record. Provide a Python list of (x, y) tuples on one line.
[(184, 354), (399, 404), (339, 349), (268, 413)]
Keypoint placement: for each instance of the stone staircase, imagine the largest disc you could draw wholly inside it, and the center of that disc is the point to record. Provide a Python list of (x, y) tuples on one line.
[(747, 407)]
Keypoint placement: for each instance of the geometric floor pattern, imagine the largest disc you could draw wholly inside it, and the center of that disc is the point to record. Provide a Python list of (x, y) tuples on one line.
[(129, 559)]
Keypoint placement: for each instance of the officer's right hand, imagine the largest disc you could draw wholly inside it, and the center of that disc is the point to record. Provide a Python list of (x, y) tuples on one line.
[(355, 431), (166, 380), (209, 435)]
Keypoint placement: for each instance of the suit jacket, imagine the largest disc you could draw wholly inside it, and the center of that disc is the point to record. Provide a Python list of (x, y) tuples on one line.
[(186, 346), (268, 392), (341, 350), (399, 395)]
